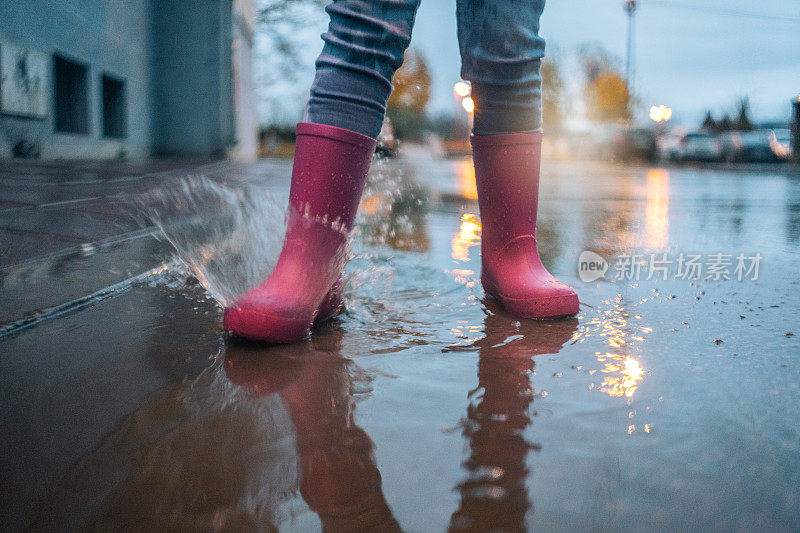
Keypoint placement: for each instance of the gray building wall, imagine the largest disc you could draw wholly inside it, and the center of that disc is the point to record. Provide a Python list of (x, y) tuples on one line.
[(246, 123), (110, 37), (174, 56), (192, 86)]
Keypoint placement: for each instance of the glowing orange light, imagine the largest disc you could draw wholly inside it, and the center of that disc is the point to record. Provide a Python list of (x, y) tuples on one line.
[(370, 204), (468, 104), (657, 208), (621, 372), (626, 372), (780, 149), (467, 187), (462, 89), (468, 235), (660, 113)]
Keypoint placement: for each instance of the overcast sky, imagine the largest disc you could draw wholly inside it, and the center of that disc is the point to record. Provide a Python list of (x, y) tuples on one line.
[(689, 54)]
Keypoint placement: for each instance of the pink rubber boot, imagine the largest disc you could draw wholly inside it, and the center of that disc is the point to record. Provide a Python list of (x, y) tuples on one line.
[(330, 168), (507, 175)]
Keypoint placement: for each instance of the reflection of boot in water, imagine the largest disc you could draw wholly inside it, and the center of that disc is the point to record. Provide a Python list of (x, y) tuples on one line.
[(340, 480), (494, 495)]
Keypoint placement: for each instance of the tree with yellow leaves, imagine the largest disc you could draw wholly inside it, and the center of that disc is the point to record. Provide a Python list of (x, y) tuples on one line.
[(409, 98), (607, 98), (553, 95), (606, 93)]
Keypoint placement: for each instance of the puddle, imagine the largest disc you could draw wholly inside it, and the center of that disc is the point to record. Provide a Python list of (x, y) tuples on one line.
[(425, 406)]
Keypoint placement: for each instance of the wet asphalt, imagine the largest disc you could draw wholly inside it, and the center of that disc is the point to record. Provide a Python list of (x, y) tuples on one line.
[(670, 402)]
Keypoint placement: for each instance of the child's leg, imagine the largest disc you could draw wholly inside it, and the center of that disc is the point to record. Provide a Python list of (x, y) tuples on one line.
[(364, 45), (501, 55)]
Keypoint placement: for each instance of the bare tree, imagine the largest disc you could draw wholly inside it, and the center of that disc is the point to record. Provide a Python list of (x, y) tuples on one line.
[(283, 35), (278, 21)]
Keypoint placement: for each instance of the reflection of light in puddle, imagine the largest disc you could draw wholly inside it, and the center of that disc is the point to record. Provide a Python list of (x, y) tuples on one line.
[(468, 235), (626, 372), (463, 275), (622, 373), (467, 332), (657, 208), (466, 179)]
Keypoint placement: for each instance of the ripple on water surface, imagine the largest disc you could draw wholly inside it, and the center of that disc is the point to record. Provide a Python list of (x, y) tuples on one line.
[(427, 406)]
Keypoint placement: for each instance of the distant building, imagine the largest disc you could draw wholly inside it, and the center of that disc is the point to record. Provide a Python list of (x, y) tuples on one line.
[(105, 78)]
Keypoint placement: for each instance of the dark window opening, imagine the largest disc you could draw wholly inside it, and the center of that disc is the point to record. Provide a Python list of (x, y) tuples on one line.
[(113, 107), (72, 96)]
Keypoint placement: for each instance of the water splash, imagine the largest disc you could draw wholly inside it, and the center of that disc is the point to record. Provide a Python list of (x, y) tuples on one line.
[(393, 209), (228, 237)]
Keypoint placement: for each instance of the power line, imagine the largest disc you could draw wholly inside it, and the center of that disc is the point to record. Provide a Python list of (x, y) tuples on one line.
[(724, 11)]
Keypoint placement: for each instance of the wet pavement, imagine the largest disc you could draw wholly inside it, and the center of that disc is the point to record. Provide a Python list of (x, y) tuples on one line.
[(665, 404)]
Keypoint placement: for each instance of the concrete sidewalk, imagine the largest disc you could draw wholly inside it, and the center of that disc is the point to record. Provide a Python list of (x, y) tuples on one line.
[(50, 208), (67, 229)]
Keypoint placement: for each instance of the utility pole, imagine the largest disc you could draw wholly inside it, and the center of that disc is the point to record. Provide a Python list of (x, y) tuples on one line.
[(630, 8), (795, 125)]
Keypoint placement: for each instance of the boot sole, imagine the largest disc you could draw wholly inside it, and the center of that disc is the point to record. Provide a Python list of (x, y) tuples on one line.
[(265, 327), (273, 328), (545, 308), (329, 313), (540, 308)]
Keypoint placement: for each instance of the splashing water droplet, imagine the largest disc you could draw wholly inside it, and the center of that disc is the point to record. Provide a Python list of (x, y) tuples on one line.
[(229, 238)]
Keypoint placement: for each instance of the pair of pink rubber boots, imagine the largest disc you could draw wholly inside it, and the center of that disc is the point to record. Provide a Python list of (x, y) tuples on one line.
[(330, 169)]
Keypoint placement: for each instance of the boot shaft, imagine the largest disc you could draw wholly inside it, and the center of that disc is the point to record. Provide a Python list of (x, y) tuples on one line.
[(329, 172), (507, 178)]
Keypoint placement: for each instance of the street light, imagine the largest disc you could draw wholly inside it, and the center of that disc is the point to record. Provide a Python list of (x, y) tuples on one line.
[(795, 122), (660, 113), (468, 104), (462, 89), (461, 96)]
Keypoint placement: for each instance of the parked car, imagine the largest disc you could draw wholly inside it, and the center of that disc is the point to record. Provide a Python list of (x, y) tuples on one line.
[(700, 146), (757, 146), (669, 145), (634, 143)]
